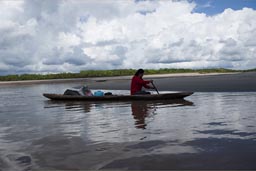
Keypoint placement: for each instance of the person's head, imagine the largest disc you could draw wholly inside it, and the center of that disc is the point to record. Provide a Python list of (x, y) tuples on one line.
[(139, 72), (85, 88)]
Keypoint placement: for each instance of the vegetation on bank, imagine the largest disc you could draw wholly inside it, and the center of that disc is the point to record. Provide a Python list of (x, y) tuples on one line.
[(108, 73)]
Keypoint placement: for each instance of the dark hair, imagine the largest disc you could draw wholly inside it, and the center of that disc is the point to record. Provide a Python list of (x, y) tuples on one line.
[(139, 71)]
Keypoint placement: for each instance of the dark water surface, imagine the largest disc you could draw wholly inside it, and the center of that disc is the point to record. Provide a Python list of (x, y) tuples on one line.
[(205, 131)]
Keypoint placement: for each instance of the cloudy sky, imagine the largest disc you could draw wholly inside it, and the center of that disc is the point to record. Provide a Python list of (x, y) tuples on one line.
[(50, 36)]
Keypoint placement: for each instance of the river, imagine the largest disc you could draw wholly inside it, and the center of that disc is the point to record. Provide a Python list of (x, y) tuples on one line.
[(208, 130)]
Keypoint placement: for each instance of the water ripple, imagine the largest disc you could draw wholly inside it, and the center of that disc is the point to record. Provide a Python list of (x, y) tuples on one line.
[(77, 135)]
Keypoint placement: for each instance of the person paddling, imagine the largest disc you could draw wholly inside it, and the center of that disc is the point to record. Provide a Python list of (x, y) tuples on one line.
[(137, 83)]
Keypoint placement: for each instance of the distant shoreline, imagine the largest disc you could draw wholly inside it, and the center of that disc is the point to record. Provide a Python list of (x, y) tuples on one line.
[(98, 79), (115, 73), (195, 82)]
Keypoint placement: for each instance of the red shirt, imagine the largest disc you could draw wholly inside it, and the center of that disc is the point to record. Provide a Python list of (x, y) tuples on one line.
[(137, 84)]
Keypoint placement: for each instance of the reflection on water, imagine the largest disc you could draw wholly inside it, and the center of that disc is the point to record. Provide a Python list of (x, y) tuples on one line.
[(143, 109), (140, 110), (205, 131)]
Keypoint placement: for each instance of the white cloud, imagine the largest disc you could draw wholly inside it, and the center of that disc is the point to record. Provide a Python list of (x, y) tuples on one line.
[(69, 36), (67, 41)]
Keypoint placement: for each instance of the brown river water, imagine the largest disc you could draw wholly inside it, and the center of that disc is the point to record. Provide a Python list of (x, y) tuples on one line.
[(204, 131)]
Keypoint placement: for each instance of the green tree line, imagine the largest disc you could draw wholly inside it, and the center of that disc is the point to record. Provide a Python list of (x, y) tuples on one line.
[(109, 73)]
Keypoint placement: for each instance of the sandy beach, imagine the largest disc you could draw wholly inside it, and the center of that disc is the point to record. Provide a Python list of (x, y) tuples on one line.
[(213, 82)]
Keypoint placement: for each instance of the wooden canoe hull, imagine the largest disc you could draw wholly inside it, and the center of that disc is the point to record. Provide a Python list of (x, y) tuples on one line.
[(166, 96)]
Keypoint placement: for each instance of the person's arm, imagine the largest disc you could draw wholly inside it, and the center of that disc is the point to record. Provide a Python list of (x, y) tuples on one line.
[(146, 82), (141, 81)]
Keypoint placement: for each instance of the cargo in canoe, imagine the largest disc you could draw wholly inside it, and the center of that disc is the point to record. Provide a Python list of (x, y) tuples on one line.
[(166, 96)]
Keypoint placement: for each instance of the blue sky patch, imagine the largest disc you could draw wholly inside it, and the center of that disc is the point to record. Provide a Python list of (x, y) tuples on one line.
[(213, 7)]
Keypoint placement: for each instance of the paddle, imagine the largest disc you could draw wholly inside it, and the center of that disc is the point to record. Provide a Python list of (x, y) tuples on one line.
[(155, 87)]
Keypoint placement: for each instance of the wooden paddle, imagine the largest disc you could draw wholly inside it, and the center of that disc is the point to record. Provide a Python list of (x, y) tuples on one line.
[(155, 87)]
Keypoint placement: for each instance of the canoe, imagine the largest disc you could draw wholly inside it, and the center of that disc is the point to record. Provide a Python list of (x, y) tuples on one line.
[(166, 96)]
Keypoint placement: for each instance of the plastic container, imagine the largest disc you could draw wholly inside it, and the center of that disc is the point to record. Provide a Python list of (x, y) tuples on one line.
[(98, 93)]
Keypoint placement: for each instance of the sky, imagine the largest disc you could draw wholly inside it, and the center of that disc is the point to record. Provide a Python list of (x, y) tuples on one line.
[(213, 7), (53, 36)]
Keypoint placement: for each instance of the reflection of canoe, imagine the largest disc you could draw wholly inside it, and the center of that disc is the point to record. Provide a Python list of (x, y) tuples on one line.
[(179, 95)]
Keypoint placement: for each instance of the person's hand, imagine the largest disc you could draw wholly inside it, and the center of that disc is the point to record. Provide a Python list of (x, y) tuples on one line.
[(151, 81)]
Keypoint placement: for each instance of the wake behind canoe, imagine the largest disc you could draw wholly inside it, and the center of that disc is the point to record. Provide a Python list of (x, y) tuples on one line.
[(166, 96)]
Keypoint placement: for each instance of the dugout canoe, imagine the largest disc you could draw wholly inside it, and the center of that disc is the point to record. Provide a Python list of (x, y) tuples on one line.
[(166, 96)]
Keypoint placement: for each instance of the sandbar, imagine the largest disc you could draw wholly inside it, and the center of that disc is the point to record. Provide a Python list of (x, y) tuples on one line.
[(196, 82)]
